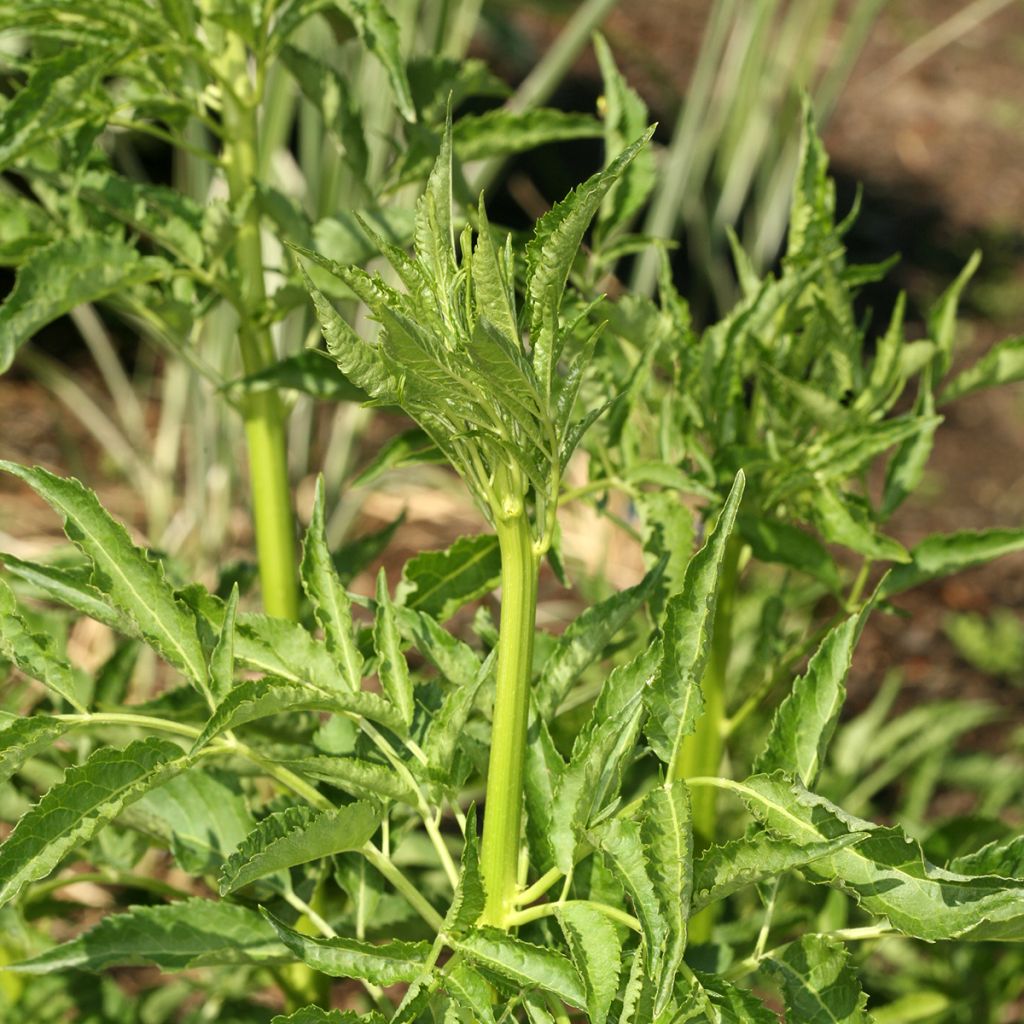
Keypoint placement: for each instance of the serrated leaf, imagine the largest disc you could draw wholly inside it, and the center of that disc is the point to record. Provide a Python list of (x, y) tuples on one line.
[(454, 659), (943, 554), (201, 815), (311, 371), (193, 932), (773, 540), (668, 840), (803, 723), (1002, 364), (361, 778), (392, 669), (331, 604), (411, 448), (297, 835), (383, 963), (723, 870), (551, 253), (841, 522), (122, 571), (71, 812), (253, 699), (438, 583), (34, 653), (523, 963), (596, 950), (472, 991), (621, 842), (1002, 857), (734, 1004), (24, 737), (66, 273), (585, 640), (818, 983), (602, 747), (887, 872), (470, 897), (674, 700), (222, 659), (316, 1015), (71, 589)]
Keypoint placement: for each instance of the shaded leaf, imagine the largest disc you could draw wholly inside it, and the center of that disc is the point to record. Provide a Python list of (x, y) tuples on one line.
[(596, 950), (440, 582), (392, 669), (818, 983)]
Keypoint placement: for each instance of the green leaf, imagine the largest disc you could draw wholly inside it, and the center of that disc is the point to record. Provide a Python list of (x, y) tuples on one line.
[(455, 660), (440, 582), (1002, 857), (200, 814), (723, 870), (906, 467), (286, 649), (523, 964), (222, 660), (551, 252), (470, 897), (361, 778), (886, 872), (356, 554), (585, 640), (773, 540), (472, 991), (70, 588), (311, 371), (625, 117), (331, 604), (71, 812), (843, 522), (1002, 364), (385, 963), (734, 1004), (668, 839), (64, 274), (818, 983), (22, 738), (315, 1015), (296, 836), (621, 841), (599, 755), (392, 669), (674, 699), (260, 698), (596, 950), (192, 933), (942, 315), (411, 448), (122, 571), (803, 723), (379, 33), (943, 554), (34, 653)]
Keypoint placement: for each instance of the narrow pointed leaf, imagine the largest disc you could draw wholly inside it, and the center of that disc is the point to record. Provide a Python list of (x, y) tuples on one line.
[(674, 699), (386, 963), (122, 571), (34, 653), (260, 698), (472, 991), (296, 836), (222, 660), (803, 724), (362, 778), (585, 640), (596, 950), (523, 964), (70, 813), (191, 933), (392, 669), (1002, 364), (470, 897), (331, 603)]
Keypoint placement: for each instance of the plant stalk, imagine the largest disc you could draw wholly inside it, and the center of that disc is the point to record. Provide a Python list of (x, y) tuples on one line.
[(503, 809), (264, 413), (701, 752)]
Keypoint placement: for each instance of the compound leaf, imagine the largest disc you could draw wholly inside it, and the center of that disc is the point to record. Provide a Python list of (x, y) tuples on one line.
[(818, 983), (596, 950)]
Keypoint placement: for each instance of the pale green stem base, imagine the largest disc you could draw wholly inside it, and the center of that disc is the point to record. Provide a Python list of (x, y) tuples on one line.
[(503, 810)]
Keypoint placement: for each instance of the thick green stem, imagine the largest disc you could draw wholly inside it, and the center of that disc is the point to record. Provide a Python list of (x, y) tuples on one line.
[(264, 413), (701, 752), (503, 810)]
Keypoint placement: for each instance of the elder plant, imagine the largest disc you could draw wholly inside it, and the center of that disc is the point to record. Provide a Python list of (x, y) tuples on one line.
[(335, 821)]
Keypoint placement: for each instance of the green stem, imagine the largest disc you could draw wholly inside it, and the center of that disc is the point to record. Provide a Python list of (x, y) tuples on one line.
[(701, 752), (503, 807), (535, 913), (264, 413)]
